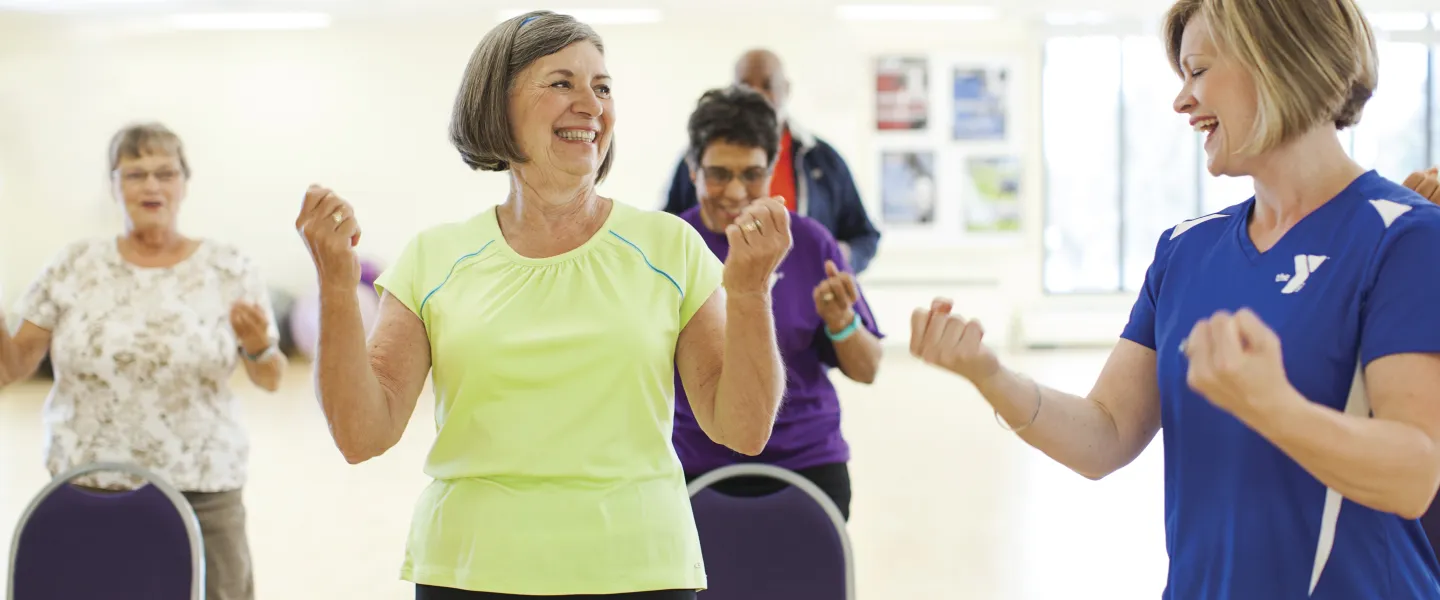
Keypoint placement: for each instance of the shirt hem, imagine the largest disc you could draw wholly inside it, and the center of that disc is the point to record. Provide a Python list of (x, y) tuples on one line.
[(450, 578)]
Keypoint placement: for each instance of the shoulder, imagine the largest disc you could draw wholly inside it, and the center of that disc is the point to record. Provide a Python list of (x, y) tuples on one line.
[(653, 227), (1202, 229), (445, 243), (808, 232), (78, 251), (1396, 210)]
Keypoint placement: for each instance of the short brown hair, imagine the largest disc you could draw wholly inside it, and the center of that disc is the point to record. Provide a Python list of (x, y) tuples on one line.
[(480, 123), (141, 139), (1313, 60)]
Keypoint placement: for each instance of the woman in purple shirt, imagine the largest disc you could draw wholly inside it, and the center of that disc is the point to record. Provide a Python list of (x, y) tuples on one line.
[(821, 318)]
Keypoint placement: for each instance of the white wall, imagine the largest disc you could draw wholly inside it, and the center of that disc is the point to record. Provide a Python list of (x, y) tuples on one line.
[(363, 108)]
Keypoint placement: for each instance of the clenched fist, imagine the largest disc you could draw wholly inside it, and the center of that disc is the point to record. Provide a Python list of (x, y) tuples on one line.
[(759, 240), (331, 232), (835, 298), (951, 342), (251, 326), (1426, 183)]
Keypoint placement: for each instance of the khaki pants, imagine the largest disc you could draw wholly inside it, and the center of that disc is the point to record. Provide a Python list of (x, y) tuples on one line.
[(228, 573)]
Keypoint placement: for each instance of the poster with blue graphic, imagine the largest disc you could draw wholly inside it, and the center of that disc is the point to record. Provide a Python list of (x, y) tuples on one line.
[(979, 103)]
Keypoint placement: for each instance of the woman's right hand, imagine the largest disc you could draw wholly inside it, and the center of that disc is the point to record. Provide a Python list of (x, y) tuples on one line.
[(952, 343), (331, 232)]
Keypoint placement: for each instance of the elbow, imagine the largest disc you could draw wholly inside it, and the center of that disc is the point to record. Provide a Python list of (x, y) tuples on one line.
[(1420, 502), (355, 455), (750, 447)]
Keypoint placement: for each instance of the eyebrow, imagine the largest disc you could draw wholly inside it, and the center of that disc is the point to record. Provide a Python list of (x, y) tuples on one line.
[(569, 73)]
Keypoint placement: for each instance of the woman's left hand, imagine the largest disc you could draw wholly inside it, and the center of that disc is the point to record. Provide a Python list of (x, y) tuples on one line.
[(835, 298), (251, 326), (1236, 364)]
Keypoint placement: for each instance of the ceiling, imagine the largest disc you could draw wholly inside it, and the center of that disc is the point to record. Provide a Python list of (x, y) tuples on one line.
[(1084, 11)]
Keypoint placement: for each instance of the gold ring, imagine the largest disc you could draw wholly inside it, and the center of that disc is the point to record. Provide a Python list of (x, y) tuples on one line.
[(339, 217), (828, 297), (750, 226)]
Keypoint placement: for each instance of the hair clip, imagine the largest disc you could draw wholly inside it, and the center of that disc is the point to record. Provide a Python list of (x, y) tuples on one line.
[(528, 20)]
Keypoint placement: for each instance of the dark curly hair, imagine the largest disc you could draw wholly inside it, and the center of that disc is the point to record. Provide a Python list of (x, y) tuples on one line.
[(738, 115)]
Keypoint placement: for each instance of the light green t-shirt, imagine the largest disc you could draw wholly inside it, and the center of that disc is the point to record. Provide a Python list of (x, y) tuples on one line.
[(554, 389)]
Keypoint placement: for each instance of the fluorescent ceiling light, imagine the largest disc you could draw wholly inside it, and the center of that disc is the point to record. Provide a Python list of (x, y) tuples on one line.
[(251, 21), (1076, 18), (921, 12), (597, 16)]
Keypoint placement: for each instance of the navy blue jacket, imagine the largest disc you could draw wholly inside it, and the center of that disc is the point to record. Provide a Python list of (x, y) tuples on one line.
[(825, 193)]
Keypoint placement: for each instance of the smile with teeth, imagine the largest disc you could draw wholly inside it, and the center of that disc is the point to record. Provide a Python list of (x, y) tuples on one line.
[(576, 135), (1207, 125)]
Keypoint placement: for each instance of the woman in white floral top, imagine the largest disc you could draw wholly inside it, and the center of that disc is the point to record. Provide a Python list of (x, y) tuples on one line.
[(144, 331)]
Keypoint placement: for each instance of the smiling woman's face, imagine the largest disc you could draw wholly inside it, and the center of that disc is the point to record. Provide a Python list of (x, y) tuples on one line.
[(151, 188), (563, 114), (729, 178)]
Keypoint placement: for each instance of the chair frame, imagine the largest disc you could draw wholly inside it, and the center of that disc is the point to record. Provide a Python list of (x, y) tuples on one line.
[(796, 480), (182, 506)]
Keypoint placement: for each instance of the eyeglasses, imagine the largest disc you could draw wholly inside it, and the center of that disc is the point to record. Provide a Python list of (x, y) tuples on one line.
[(720, 177), (138, 177)]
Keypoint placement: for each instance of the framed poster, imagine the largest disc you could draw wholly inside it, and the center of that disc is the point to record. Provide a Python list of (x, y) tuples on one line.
[(908, 192), (992, 203), (902, 93), (979, 103)]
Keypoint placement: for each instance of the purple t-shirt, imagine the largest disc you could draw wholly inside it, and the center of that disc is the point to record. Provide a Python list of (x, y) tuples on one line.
[(807, 430)]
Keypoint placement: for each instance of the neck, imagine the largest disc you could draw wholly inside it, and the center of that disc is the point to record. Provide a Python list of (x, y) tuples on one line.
[(1300, 176), (550, 201), (154, 240)]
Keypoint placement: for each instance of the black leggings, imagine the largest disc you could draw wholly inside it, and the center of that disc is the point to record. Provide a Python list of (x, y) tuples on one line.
[(833, 479), (428, 592)]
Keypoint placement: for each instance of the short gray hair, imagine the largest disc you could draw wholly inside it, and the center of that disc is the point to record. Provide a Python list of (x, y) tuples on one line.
[(137, 140), (480, 122)]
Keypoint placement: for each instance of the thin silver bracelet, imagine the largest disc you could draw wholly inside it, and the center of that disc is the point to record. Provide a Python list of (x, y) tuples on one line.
[(1039, 399)]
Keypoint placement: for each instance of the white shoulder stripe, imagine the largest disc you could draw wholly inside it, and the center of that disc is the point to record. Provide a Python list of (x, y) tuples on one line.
[(1390, 210), (1358, 404), (1183, 227)]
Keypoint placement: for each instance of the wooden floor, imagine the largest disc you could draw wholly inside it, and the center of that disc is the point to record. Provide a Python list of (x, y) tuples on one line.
[(946, 504)]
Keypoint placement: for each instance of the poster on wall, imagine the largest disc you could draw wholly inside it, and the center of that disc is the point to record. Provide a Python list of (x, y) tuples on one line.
[(907, 187), (902, 94), (978, 100), (993, 202)]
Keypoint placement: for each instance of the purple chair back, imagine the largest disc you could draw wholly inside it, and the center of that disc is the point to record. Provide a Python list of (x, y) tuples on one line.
[(140, 544), (791, 544)]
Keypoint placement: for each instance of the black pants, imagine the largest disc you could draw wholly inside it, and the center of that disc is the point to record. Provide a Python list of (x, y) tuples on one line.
[(426, 592), (833, 479)]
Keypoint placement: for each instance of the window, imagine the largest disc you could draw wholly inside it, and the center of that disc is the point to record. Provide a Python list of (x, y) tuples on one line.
[(1121, 165), (1080, 115)]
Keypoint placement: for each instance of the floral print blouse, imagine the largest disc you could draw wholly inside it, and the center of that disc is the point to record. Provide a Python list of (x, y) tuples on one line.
[(142, 359)]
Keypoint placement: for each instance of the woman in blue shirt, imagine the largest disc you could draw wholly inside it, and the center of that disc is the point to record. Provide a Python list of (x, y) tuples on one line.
[(1288, 346)]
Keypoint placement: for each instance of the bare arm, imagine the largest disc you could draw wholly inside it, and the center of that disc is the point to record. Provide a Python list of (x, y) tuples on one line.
[(266, 372), (859, 355), (731, 369), (1094, 435), (368, 394), (21, 354), (1391, 462)]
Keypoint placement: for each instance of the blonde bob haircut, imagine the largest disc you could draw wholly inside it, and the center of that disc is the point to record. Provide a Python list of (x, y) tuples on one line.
[(1313, 61), (480, 127)]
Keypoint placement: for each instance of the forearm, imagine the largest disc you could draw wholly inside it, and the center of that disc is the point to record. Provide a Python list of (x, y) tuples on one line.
[(1386, 465), (1077, 432), (354, 402), (266, 372), (859, 355), (752, 377)]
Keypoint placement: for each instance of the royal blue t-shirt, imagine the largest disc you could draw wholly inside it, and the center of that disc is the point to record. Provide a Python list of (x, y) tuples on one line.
[(807, 429), (1356, 280)]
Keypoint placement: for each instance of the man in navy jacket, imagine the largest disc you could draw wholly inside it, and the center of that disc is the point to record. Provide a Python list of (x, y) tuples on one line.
[(809, 174)]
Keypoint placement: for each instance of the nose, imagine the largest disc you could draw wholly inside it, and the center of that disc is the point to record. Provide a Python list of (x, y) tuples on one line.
[(735, 191), (1185, 101), (588, 104)]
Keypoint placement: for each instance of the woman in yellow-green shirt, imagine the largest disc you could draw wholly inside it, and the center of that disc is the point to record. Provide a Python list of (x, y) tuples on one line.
[(552, 323)]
